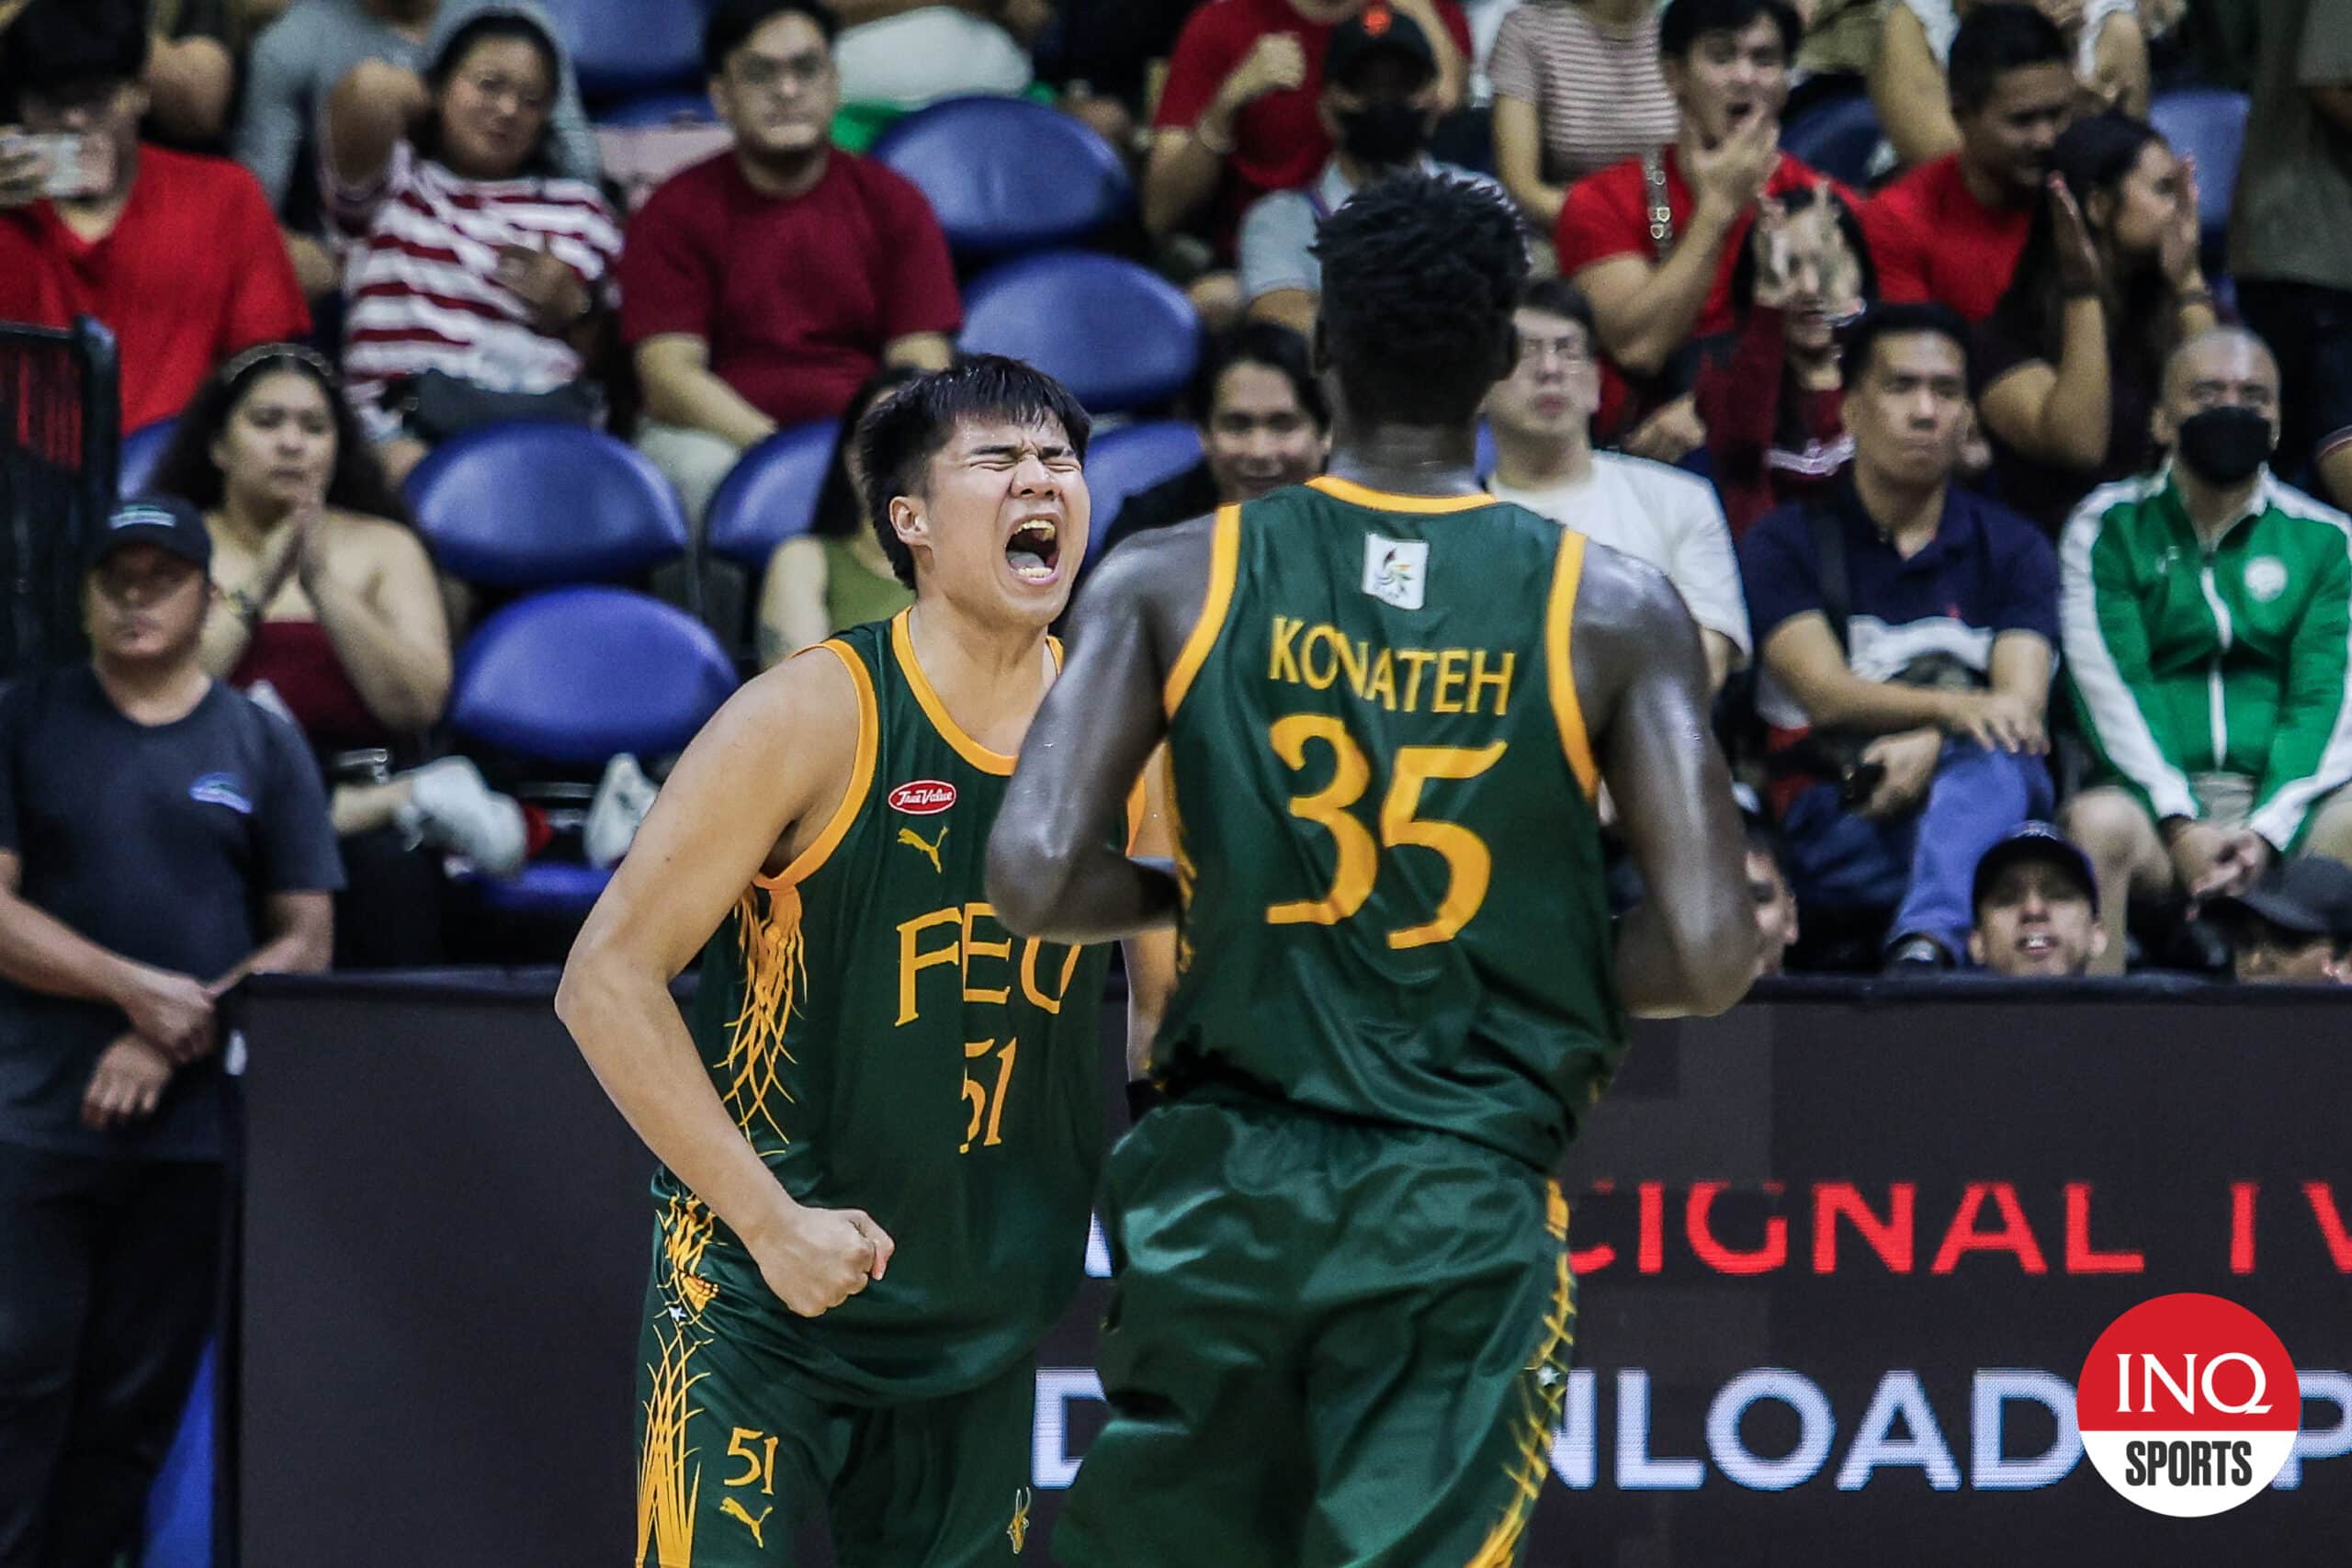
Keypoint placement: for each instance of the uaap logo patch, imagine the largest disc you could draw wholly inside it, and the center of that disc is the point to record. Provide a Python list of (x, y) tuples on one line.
[(1396, 570), (222, 789), (923, 798)]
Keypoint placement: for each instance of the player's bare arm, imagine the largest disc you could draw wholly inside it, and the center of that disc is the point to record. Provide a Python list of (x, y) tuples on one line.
[(1691, 947), (758, 783), (1053, 870)]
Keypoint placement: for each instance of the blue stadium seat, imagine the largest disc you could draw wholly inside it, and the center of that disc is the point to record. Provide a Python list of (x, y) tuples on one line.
[(1121, 462), (578, 675), (771, 494), (142, 450), (2209, 125), (531, 505), (1839, 138), (1122, 338), (672, 107), (1005, 175), (625, 47), (179, 1505)]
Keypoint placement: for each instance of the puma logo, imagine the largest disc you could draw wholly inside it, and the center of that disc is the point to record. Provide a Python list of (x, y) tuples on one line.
[(736, 1511), (914, 840), (1017, 1531)]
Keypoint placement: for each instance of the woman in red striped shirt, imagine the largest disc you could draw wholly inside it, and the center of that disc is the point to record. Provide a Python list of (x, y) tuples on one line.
[(476, 274)]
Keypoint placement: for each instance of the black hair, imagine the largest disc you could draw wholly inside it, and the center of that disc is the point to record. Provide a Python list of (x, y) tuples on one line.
[(187, 469), (734, 21), (1272, 344), (1850, 223), (1420, 276), (900, 435), (1558, 297), (1899, 321), (489, 27), (1686, 21), (1996, 40), (840, 509), (63, 43), (2093, 156)]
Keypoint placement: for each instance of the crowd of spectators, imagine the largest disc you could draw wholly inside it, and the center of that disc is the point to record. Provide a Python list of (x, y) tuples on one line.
[(2001, 485)]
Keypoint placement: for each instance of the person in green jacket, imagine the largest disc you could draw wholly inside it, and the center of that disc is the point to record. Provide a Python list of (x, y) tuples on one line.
[(2207, 617)]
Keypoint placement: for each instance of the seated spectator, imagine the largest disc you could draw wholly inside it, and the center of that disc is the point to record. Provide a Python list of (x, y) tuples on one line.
[(761, 287), (2107, 45), (191, 73), (174, 252), (1905, 629), (478, 275), (2294, 928), (1263, 424), (1379, 104), (332, 608), (1653, 240), (1774, 429), (1769, 890), (1542, 415), (2294, 268), (837, 574), (304, 55), (2216, 697), (1238, 116), (2036, 905), (1952, 228), (2108, 285), (160, 838), (1577, 88)]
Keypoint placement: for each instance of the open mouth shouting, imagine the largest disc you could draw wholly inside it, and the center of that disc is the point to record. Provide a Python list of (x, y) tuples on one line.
[(1035, 551)]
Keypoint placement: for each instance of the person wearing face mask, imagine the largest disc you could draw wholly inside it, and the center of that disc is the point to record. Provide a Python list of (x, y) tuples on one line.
[(1380, 103), (2206, 612)]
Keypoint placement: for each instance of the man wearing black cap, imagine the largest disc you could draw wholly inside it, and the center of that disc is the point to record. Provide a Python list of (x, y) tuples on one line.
[(160, 837), (2295, 927), (1379, 104), (2037, 907)]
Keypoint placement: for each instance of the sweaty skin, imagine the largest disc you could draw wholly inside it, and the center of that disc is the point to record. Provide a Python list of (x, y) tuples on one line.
[(1641, 679)]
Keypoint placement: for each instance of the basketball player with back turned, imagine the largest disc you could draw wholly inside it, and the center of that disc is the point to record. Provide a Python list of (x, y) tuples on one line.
[(1342, 1310), (878, 1128)]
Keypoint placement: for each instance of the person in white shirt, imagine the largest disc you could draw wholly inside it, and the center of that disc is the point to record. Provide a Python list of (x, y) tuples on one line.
[(1542, 415)]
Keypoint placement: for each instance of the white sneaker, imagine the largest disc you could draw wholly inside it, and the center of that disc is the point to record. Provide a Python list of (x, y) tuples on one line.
[(451, 808), (623, 797)]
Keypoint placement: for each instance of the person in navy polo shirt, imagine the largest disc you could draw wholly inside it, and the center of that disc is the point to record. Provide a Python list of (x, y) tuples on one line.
[(160, 837), (1905, 629)]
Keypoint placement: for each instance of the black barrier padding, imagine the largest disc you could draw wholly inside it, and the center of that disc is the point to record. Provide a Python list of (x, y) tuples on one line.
[(446, 1240)]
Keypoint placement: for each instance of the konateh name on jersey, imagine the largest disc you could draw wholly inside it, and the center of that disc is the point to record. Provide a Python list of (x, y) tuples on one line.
[(1452, 679)]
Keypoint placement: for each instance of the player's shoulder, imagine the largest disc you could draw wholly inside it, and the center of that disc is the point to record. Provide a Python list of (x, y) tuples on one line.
[(813, 705), (1622, 600)]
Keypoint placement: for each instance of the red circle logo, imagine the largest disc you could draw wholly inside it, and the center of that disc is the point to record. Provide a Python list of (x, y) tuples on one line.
[(923, 798), (2188, 1405)]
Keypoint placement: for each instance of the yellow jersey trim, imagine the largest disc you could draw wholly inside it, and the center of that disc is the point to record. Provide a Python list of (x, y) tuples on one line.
[(861, 776), (1387, 500), (902, 643), (1559, 628), (1225, 561)]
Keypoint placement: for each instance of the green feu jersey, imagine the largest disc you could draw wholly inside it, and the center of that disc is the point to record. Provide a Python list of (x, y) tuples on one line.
[(1382, 794), (887, 1044)]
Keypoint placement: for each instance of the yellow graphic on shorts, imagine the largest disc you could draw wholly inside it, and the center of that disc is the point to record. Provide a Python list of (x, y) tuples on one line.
[(1017, 1531), (666, 1495), (1540, 1394), (913, 840), (736, 1511), (775, 974), (686, 1235)]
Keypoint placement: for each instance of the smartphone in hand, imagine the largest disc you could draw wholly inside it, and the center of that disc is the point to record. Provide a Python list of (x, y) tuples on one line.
[(71, 165)]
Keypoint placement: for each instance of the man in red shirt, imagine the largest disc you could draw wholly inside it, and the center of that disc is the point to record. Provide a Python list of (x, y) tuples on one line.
[(1653, 240), (760, 288), (1238, 119), (178, 255), (1950, 231)]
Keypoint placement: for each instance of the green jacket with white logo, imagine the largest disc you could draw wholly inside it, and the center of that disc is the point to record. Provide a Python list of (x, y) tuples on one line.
[(2235, 661)]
